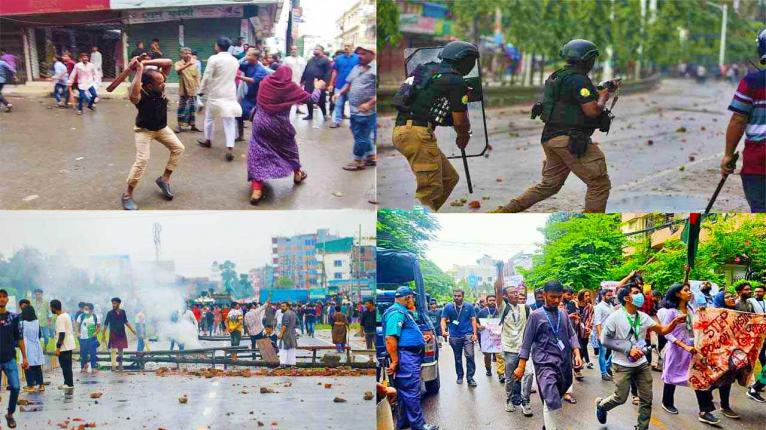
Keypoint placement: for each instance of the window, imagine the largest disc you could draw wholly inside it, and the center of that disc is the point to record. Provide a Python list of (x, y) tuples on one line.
[(338, 275), (338, 263)]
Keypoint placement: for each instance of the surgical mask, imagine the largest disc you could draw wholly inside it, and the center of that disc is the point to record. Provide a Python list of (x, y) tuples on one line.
[(638, 300)]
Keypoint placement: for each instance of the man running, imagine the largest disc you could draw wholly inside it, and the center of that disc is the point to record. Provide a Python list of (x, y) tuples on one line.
[(10, 339)]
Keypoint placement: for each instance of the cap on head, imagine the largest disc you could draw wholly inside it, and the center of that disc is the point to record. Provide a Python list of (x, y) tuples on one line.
[(403, 292)]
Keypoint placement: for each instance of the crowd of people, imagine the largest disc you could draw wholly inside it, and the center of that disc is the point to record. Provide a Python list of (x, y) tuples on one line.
[(561, 333), (240, 83), (44, 325)]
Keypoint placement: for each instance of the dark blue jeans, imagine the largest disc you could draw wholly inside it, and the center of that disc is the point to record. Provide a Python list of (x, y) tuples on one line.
[(460, 346), (755, 192), (88, 352), (362, 127), (91, 97), (60, 92), (11, 370)]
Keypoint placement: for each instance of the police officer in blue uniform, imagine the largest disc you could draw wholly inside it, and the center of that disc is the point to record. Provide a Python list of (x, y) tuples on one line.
[(405, 343)]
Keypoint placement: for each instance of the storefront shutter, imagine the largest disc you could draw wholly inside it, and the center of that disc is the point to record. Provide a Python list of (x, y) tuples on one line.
[(166, 32)]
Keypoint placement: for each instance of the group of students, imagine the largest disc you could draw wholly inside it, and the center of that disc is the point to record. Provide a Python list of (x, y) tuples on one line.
[(548, 341)]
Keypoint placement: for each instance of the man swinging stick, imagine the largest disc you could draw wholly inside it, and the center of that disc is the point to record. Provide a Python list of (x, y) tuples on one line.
[(147, 93)]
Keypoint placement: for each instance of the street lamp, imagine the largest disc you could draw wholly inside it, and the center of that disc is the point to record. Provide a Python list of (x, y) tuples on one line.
[(724, 8)]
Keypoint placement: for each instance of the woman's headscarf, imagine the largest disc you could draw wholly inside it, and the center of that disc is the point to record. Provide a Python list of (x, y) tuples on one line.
[(278, 92), (718, 299)]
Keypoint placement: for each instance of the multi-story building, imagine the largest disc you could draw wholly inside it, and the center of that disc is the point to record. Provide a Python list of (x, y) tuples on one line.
[(261, 278), (479, 276), (358, 24), (295, 258)]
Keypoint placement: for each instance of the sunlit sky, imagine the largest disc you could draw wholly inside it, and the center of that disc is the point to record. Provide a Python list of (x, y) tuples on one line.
[(319, 16), (192, 239), (464, 238)]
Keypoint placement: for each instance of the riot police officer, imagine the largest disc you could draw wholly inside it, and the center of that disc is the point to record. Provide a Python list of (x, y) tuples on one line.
[(439, 98), (405, 343), (572, 109), (748, 118)]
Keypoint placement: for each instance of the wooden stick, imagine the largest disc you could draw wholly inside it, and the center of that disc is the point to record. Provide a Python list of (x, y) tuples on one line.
[(123, 75)]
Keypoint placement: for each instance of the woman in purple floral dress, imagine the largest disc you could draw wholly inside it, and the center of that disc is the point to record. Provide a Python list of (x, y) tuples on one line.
[(273, 152)]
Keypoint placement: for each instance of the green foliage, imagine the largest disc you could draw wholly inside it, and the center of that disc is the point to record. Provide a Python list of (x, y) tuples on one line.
[(228, 275), (578, 251), (405, 230), (388, 24), (283, 283), (437, 283)]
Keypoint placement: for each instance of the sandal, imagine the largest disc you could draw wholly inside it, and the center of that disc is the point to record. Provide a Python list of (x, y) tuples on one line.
[(299, 179), (570, 399), (371, 162), (256, 197), (353, 167), (10, 421)]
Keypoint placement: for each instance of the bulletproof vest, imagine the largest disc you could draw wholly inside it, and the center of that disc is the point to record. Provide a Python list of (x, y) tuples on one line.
[(411, 334), (427, 102), (560, 110)]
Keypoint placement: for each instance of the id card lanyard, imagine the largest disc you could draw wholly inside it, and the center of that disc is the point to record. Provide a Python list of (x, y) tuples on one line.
[(555, 331), (635, 323), (456, 321)]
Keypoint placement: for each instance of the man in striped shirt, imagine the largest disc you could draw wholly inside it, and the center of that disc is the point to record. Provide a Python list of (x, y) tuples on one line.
[(749, 118)]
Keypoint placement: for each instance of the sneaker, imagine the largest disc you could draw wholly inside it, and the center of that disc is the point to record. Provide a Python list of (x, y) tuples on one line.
[(589, 365), (489, 372), (165, 188), (670, 409), (708, 418), (229, 156), (755, 395), (79, 112), (728, 413), (526, 410), (459, 380), (93, 108), (606, 377), (501, 379), (509, 407), (128, 203), (334, 125), (308, 118), (600, 412), (610, 371), (472, 383)]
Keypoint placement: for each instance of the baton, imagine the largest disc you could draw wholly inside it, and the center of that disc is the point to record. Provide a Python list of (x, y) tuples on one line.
[(732, 165), (467, 172), (122, 76)]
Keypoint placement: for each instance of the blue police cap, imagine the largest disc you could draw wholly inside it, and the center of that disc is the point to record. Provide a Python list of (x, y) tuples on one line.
[(403, 292)]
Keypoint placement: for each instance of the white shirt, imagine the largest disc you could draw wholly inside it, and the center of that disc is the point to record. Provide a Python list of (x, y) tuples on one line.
[(254, 320), (758, 307), (298, 65), (59, 73), (219, 86), (189, 316), (601, 312), (64, 325), (618, 327), (86, 75), (95, 58)]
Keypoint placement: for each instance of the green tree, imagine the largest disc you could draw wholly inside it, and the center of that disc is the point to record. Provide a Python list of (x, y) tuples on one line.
[(437, 283), (577, 251), (284, 283), (388, 33), (405, 230), (228, 275)]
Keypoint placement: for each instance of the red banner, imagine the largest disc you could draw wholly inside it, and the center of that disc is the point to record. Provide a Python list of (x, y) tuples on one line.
[(30, 7), (727, 341)]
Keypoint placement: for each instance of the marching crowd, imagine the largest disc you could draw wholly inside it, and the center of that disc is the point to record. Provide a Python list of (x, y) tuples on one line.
[(560, 333)]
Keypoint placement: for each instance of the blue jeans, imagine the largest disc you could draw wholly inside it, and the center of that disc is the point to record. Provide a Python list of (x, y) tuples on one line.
[(140, 345), (310, 327), (11, 370), (362, 127), (88, 352), (337, 114), (60, 92), (460, 346), (91, 94), (407, 383), (173, 342), (603, 363), (755, 192)]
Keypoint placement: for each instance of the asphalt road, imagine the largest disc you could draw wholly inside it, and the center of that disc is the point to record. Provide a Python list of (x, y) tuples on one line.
[(54, 159), (138, 400), (458, 407), (677, 172)]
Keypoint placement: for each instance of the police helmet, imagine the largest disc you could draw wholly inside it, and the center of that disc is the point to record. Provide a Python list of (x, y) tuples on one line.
[(762, 46), (461, 54), (579, 50)]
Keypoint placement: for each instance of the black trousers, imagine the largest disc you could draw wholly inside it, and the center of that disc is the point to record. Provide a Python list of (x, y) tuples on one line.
[(704, 398), (65, 361), (322, 104), (584, 350)]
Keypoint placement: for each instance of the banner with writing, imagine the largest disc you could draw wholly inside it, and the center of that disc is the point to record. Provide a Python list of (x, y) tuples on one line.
[(728, 343), (490, 336)]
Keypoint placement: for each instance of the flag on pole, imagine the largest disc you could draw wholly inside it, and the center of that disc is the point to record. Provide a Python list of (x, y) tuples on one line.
[(691, 237)]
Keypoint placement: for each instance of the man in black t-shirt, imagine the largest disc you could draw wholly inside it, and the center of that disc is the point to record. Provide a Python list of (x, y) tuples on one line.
[(367, 324), (10, 339), (318, 67), (147, 92), (139, 50)]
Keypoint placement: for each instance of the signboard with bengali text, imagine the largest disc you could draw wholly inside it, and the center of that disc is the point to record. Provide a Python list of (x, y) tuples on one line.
[(176, 14), (28, 7)]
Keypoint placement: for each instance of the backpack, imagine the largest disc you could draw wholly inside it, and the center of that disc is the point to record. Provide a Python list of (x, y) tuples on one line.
[(507, 309), (419, 79)]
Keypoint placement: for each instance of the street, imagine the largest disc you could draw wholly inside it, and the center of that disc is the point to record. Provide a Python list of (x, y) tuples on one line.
[(221, 402), (662, 153), (54, 159), (461, 407)]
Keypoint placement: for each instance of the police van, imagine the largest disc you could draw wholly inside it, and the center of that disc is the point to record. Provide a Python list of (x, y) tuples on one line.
[(395, 269)]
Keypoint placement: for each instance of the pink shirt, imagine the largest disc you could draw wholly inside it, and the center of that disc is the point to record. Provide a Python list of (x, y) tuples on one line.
[(85, 74)]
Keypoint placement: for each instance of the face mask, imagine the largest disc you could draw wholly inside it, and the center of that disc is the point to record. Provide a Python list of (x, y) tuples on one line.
[(638, 300)]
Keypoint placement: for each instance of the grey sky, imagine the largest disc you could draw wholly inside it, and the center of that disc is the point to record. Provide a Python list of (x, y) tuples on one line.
[(192, 239), (319, 16), (464, 238)]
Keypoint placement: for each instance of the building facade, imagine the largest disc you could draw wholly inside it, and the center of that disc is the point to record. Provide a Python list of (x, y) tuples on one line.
[(358, 24), (295, 258), (479, 276)]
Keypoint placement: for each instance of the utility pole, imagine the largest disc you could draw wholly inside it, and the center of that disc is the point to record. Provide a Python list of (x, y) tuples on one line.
[(724, 8), (157, 241)]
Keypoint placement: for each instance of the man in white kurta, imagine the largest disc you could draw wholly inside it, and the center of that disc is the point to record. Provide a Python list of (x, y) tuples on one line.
[(96, 59), (297, 64), (220, 89)]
